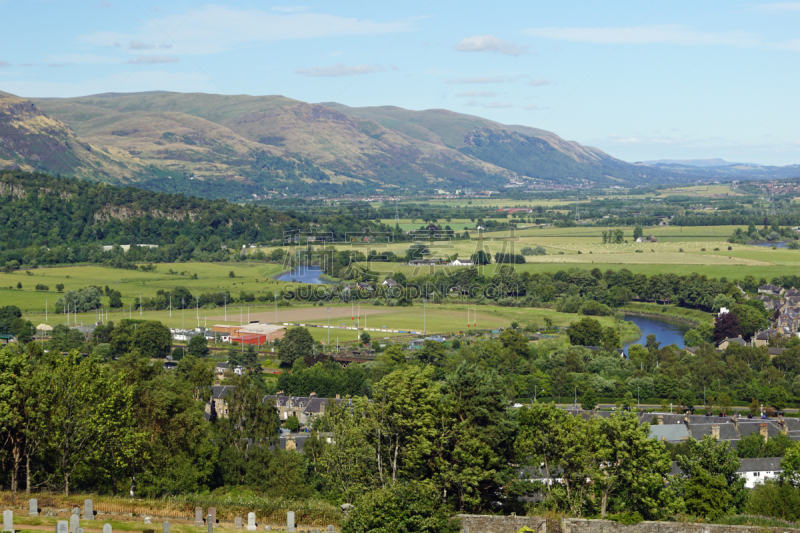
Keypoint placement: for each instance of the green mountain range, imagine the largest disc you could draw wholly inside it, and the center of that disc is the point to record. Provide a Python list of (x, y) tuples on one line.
[(238, 146)]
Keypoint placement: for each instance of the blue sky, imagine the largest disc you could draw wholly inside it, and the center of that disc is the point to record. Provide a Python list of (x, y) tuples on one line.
[(641, 80)]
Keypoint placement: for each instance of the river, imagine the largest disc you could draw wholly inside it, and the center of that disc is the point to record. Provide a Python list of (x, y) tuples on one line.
[(770, 244), (304, 274), (666, 332)]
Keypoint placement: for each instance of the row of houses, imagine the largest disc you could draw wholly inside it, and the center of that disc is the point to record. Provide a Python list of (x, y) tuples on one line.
[(305, 408)]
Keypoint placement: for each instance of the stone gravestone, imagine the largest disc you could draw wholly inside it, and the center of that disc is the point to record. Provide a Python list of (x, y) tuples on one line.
[(8, 521), (79, 530), (331, 529), (33, 507), (88, 510), (267, 528), (148, 520), (251, 521), (107, 528), (76, 510), (198, 516), (290, 522), (165, 527), (212, 516), (237, 522), (74, 523), (62, 526), (210, 525)]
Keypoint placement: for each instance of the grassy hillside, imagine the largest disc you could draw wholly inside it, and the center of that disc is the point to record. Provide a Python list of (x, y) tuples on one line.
[(239, 146)]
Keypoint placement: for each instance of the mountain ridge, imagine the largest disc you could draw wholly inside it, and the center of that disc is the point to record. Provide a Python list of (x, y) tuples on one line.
[(240, 146)]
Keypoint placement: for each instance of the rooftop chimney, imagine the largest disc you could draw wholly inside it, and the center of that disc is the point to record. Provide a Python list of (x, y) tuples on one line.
[(715, 431), (660, 420), (764, 430)]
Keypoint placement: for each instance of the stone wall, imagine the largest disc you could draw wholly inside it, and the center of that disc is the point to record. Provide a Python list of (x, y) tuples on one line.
[(501, 524), (575, 525)]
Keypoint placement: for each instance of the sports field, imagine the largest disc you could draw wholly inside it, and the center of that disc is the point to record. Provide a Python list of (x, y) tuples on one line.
[(431, 318)]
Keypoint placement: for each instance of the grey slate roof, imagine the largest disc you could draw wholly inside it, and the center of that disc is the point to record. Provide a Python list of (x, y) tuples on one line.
[(669, 432)]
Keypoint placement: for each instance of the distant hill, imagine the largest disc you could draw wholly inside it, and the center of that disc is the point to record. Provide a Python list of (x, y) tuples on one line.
[(237, 146), (692, 162), (720, 169)]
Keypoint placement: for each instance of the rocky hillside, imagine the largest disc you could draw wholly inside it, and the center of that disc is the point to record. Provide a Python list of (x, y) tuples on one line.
[(236, 146)]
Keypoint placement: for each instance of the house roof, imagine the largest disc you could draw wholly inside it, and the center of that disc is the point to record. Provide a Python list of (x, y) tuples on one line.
[(220, 391), (669, 432), (736, 340)]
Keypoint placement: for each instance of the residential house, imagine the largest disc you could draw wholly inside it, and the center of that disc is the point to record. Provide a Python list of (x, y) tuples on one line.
[(389, 282), (462, 262), (754, 471), (771, 290), (727, 342), (217, 405), (305, 408), (761, 338)]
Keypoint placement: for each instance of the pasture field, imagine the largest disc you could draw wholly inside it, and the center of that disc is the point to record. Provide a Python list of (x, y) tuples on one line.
[(501, 202), (698, 190), (252, 277)]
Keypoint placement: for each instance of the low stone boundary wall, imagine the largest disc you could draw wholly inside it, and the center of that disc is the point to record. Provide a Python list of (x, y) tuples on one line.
[(576, 525), (471, 523)]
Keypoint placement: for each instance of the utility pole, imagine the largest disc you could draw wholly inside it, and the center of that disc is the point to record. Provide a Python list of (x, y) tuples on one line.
[(424, 328), (226, 308), (170, 305), (276, 308), (140, 304), (329, 328), (183, 314)]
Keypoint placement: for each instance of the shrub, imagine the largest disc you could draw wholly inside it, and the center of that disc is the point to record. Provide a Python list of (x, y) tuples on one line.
[(594, 308), (773, 498), (402, 507)]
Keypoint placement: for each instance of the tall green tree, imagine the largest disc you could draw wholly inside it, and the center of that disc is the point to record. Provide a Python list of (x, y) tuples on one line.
[(717, 460), (476, 436), (152, 338), (296, 343)]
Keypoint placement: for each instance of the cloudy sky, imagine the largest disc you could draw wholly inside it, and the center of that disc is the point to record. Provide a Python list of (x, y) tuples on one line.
[(641, 80)]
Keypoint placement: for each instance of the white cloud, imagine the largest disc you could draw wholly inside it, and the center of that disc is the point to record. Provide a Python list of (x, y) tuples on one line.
[(339, 70), (139, 45), (290, 9), (123, 81), (492, 105), (477, 94), (153, 59), (82, 59), (779, 7), (648, 34), (484, 79), (490, 43), (540, 82), (534, 107), (213, 29)]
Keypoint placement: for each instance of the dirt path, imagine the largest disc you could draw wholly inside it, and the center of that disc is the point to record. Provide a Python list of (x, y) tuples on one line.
[(301, 315)]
